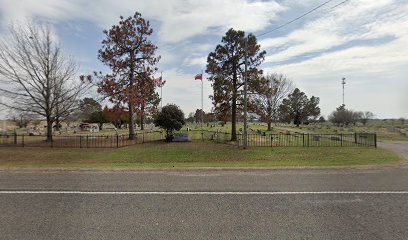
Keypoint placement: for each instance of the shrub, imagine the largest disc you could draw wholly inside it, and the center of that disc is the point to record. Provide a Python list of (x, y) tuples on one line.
[(170, 118)]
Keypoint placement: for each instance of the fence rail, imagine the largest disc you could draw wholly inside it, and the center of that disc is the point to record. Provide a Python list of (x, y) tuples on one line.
[(87, 141), (254, 140), (198, 135), (289, 139), (310, 140)]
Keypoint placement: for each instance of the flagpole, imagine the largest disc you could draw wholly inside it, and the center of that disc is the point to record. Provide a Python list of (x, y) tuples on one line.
[(202, 102), (161, 90)]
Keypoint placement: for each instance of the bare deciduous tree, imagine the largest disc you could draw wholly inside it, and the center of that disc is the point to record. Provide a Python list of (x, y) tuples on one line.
[(269, 91), (364, 117), (38, 78), (21, 119)]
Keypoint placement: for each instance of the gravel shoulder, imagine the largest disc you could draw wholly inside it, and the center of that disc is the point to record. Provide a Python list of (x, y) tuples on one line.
[(398, 147)]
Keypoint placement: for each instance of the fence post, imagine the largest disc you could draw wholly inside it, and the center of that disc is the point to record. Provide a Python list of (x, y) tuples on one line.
[(117, 141), (22, 140), (341, 139), (87, 141), (143, 137), (15, 138), (308, 139), (303, 140), (80, 141), (375, 140), (355, 138)]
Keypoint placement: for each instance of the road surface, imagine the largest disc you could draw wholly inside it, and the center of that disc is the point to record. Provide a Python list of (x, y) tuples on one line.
[(211, 204)]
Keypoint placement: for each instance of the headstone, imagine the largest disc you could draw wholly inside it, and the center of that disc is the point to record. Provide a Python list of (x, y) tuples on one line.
[(180, 137), (335, 138)]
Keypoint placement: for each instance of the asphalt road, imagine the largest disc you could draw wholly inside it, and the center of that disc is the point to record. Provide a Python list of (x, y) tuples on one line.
[(253, 204)]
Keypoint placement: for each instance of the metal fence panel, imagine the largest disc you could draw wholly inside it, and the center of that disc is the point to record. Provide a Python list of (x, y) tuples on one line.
[(254, 140), (82, 141)]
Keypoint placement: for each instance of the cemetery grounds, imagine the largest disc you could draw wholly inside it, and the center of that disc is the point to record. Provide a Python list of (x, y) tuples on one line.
[(199, 153)]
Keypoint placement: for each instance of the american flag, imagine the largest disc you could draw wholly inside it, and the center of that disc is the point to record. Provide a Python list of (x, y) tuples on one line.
[(159, 82)]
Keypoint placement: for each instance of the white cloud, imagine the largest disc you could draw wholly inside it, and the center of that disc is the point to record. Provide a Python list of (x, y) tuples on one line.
[(198, 61), (197, 17), (355, 21), (375, 68), (376, 77), (182, 89), (179, 20)]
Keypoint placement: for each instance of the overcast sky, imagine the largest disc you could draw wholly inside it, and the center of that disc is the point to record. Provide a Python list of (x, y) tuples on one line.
[(364, 41)]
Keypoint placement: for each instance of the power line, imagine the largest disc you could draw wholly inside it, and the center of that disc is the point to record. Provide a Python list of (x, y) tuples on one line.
[(301, 16), (339, 4)]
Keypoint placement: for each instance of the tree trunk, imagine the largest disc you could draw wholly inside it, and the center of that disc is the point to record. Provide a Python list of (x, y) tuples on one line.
[(130, 104), (57, 124), (142, 118), (131, 122), (269, 126), (49, 129), (234, 114)]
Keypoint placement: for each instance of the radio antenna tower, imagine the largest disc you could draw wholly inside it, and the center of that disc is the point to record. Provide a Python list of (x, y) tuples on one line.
[(343, 82)]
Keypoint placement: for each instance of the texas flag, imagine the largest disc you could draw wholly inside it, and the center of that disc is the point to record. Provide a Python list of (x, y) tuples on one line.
[(198, 77)]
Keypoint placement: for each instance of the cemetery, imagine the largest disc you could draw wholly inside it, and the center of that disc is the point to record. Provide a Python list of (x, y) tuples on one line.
[(83, 135), (253, 110)]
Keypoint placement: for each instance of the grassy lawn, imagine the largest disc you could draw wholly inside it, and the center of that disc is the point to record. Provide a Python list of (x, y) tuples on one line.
[(186, 155)]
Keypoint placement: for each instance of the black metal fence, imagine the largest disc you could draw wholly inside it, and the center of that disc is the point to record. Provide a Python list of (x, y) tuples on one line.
[(198, 135), (289, 139), (310, 140), (87, 141), (254, 140)]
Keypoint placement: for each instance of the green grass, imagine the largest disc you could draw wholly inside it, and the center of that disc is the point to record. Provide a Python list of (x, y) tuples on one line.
[(190, 155)]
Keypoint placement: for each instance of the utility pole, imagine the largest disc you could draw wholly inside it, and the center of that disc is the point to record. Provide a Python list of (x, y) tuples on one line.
[(245, 95), (202, 101), (343, 83)]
